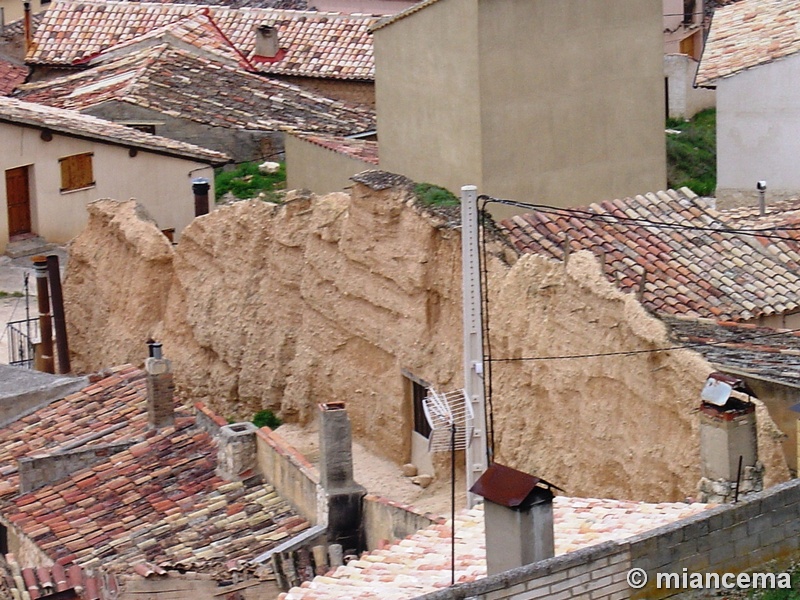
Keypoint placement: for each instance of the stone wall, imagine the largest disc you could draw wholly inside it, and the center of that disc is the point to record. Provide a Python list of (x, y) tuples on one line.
[(333, 298), (724, 539)]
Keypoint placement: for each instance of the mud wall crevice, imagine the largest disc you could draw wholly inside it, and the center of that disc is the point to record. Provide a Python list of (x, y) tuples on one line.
[(329, 298)]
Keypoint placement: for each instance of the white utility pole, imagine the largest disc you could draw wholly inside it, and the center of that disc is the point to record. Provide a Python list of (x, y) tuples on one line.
[(477, 462)]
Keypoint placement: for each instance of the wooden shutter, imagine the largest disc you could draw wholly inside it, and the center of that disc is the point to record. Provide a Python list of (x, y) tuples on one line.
[(76, 171)]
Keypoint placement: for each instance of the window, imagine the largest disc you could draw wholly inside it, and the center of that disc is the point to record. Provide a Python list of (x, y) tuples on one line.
[(421, 426), (145, 127), (688, 11), (76, 171)]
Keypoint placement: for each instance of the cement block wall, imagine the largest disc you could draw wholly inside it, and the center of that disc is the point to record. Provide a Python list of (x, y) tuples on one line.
[(295, 479), (729, 538), (38, 471), (387, 520)]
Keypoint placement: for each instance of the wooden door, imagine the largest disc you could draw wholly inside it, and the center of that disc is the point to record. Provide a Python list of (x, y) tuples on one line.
[(19, 201)]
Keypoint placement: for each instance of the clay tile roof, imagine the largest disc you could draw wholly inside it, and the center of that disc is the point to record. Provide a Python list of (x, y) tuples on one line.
[(73, 123), (313, 44), (11, 76), (691, 266), (41, 582), (158, 500), (746, 349), (364, 150), (749, 33), (420, 563), (205, 89)]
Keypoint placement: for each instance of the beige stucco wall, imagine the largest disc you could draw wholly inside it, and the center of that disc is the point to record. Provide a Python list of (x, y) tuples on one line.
[(572, 99), (675, 31), (428, 97), (758, 119), (312, 167), (13, 10), (162, 184), (551, 101), (356, 288)]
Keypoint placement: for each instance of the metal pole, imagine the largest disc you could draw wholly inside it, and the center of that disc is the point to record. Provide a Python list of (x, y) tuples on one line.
[(477, 461), (452, 503), (59, 318), (45, 358)]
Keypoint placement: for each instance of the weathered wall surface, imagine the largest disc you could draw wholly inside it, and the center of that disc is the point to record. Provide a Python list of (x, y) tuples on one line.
[(329, 298), (119, 274)]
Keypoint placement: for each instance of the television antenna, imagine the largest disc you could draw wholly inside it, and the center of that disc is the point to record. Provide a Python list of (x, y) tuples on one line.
[(450, 418)]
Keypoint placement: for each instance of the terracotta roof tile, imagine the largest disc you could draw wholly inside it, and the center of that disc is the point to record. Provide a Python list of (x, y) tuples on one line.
[(749, 33), (11, 76), (315, 44), (69, 122), (157, 500), (700, 272), (364, 150), (420, 563), (206, 89)]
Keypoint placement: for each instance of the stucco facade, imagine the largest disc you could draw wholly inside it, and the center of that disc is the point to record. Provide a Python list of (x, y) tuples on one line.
[(758, 119), (321, 170), (683, 32), (553, 101), (161, 183)]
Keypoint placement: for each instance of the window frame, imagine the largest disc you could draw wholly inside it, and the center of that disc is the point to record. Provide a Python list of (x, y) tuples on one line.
[(82, 183)]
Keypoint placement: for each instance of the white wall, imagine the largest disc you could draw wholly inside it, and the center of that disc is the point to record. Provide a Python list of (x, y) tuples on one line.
[(685, 100), (162, 184), (758, 133)]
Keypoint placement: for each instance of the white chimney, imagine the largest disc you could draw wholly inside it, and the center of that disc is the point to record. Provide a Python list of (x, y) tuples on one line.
[(267, 43)]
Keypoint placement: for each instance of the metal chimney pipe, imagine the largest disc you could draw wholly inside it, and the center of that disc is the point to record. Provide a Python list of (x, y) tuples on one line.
[(154, 349), (45, 354), (59, 317), (200, 187), (27, 25)]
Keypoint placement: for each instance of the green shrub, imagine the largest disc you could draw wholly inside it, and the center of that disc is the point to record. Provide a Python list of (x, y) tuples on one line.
[(433, 195), (692, 153), (246, 181), (266, 418)]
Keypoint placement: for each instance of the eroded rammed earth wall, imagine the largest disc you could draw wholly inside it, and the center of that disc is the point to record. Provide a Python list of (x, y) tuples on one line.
[(328, 298)]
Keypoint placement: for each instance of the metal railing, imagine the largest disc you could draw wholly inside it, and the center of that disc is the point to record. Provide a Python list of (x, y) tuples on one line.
[(21, 336)]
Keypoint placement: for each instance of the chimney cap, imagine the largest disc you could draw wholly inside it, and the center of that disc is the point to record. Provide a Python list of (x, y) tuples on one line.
[(511, 488)]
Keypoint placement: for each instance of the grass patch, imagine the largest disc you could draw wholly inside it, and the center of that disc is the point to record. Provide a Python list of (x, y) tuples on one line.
[(246, 181), (692, 153), (11, 294), (266, 418), (433, 195)]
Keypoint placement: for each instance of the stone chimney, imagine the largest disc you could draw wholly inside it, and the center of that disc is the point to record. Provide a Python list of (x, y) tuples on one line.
[(728, 441), (160, 389), (267, 43), (343, 494), (518, 515), (236, 454)]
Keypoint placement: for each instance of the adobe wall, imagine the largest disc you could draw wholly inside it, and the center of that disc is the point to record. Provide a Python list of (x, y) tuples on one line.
[(329, 298)]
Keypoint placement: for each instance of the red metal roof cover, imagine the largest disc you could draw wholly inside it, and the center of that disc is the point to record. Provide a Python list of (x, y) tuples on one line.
[(508, 487)]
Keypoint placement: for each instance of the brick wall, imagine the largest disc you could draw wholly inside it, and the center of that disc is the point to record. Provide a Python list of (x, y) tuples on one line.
[(729, 538)]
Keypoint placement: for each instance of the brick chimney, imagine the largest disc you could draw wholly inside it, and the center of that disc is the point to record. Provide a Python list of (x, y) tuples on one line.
[(343, 494), (160, 389), (236, 454), (518, 514), (267, 43)]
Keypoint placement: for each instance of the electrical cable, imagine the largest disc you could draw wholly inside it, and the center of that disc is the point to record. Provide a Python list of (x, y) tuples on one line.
[(487, 378), (643, 222)]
